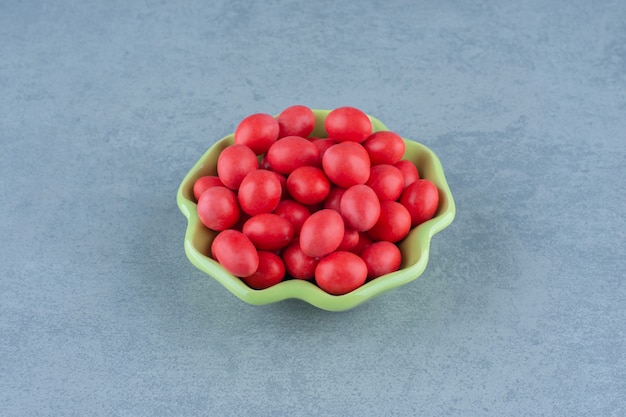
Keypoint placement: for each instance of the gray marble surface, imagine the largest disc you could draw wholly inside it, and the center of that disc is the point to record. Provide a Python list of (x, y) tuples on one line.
[(105, 105)]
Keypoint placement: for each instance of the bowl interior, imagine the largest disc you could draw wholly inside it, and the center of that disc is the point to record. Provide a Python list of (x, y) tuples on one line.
[(414, 248)]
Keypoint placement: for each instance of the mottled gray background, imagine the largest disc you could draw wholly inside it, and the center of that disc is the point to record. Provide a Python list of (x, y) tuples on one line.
[(105, 105)]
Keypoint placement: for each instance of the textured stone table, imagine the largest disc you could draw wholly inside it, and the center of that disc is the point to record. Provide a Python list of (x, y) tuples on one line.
[(104, 106)]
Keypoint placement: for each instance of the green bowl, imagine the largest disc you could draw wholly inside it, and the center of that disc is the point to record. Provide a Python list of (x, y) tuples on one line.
[(415, 247)]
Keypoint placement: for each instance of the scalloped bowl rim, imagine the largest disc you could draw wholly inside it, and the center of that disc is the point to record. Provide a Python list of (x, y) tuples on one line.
[(415, 247)]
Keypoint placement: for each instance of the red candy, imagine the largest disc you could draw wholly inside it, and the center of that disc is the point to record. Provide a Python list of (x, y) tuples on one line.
[(340, 272), (268, 231), (384, 147), (234, 163), (360, 207), (346, 164), (294, 212), (291, 152), (421, 199), (204, 183), (381, 258), (296, 121), (235, 252), (270, 272), (321, 233), (348, 124), (218, 208), (393, 224), (330, 210), (333, 201), (308, 185), (299, 265), (259, 192), (408, 170), (322, 146), (350, 240), (258, 132), (387, 182)]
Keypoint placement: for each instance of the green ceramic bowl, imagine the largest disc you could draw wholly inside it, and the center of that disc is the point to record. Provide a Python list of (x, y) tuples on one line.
[(414, 248)]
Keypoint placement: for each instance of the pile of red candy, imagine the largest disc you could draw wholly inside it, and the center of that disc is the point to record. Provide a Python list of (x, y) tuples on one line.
[(328, 210)]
